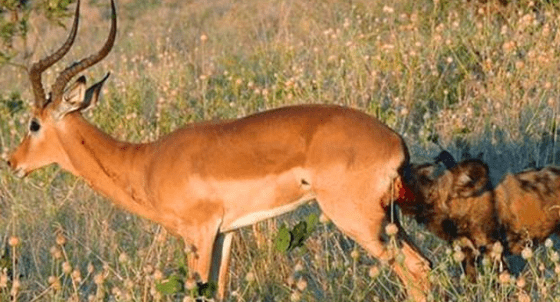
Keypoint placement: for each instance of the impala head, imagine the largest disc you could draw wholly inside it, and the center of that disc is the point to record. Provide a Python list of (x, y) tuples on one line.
[(41, 146)]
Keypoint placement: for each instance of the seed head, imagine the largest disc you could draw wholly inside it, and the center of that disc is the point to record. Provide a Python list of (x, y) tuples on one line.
[(555, 257), (13, 241), (250, 277), (295, 297), (189, 299), (55, 283), (521, 282), (355, 254), (99, 279), (323, 218), (76, 275), (527, 253), (498, 248), (123, 258), (51, 279), (158, 275), (458, 256), (4, 279), (148, 269), (60, 239), (522, 296), (190, 284), (56, 252), (298, 268), (301, 284), (290, 281), (391, 229), (504, 278), (373, 271), (66, 267)]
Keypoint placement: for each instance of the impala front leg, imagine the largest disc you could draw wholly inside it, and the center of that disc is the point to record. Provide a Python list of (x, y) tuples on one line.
[(220, 262)]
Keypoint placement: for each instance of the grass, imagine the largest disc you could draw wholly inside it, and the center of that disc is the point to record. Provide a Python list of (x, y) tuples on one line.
[(468, 76)]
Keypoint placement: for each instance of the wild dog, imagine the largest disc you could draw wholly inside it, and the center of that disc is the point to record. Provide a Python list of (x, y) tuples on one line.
[(528, 206), (455, 202), (460, 203)]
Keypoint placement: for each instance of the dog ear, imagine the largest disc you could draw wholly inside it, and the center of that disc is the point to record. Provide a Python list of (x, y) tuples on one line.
[(471, 178), (463, 180), (446, 159)]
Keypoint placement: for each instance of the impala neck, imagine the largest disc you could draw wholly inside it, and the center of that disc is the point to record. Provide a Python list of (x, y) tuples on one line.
[(114, 168)]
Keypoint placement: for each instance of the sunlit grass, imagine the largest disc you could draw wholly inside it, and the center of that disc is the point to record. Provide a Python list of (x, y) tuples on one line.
[(472, 77)]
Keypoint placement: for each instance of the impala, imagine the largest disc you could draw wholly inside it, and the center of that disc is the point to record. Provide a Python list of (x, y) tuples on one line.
[(206, 180)]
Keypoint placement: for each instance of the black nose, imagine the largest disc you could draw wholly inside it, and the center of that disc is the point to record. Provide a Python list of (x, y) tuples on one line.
[(9, 163)]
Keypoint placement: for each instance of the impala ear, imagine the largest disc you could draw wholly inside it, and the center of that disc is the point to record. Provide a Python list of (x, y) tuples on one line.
[(71, 99), (92, 94), (77, 97)]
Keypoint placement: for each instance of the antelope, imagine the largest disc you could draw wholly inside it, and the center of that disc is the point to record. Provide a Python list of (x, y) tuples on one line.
[(206, 180)]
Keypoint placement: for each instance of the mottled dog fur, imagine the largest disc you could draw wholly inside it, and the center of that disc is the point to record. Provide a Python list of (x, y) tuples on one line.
[(528, 206), (458, 203), (455, 202)]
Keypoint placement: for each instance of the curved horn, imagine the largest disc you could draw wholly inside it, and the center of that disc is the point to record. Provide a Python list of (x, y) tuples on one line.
[(38, 67), (66, 75)]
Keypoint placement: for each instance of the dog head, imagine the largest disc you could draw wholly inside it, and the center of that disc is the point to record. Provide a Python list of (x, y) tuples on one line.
[(454, 200)]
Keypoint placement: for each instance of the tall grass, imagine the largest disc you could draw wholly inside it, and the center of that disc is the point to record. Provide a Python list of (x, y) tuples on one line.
[(469, 76)]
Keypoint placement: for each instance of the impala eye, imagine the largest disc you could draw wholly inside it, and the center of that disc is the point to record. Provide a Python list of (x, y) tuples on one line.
[(34, 126)]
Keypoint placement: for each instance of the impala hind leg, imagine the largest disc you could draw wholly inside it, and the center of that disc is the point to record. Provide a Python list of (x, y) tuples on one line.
[(413, 267), (364, 224), (413, 257)]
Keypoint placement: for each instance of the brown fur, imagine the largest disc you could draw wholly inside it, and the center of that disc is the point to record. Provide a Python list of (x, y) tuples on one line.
[(206, 180), (212, 178), (455, 204), (461, 204), (452, 204), (528, 206)]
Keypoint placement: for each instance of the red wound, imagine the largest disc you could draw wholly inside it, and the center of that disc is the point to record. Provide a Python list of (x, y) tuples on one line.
[(403, 193)]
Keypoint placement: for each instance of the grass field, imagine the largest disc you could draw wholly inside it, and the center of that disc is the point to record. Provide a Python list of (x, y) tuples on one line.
[(468, 76)]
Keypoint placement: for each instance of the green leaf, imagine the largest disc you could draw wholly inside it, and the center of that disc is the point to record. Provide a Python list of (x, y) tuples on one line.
[(170, 286), (302, 251), (283, 239), (312, 221), (299, 233), (207, 289)]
